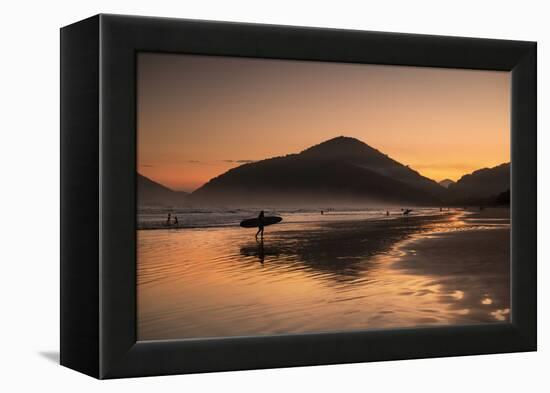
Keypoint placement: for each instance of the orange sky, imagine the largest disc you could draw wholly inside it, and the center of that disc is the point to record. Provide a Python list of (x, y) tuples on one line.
[(199, 116)]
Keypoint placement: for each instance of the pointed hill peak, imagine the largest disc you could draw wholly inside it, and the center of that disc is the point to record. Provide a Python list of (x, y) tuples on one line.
[(341, 146)]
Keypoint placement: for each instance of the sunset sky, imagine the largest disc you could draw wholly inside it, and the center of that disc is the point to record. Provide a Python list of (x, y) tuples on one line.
[(199, 116)]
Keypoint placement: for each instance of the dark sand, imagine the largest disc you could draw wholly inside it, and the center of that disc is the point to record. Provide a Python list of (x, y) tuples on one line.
[(475, 263)]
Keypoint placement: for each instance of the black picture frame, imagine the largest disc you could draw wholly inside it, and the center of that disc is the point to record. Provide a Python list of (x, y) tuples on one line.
[(98, 195)]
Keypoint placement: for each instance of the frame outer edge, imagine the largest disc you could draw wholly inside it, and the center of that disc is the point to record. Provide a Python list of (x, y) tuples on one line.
[(524, 203), (122, 36), (79, 275)]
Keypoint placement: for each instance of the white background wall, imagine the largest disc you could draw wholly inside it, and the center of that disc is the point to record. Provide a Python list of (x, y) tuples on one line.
[(29, 197)]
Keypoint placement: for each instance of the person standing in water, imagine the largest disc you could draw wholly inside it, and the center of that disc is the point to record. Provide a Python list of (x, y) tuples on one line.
[(260, 225), (168, 219), (176, 220)]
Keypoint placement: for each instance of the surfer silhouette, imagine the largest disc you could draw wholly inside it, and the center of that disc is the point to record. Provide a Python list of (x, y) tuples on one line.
[(260, 225), (260, 222)]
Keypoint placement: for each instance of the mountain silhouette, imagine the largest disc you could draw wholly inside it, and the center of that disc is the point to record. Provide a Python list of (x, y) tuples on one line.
[(151, 193), (446, 183), (341, 170), (355, 152), (483, 183)]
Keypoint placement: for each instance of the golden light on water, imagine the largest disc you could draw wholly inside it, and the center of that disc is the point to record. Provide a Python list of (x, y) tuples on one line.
[(501, 315), (221, 282)]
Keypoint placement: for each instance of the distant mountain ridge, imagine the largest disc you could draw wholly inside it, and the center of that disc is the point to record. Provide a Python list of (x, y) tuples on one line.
[(341, 169), (483, 183), (151, 193), (446, 183)]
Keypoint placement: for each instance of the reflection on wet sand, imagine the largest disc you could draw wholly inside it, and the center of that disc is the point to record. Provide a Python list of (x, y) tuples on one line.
[(444, 269)]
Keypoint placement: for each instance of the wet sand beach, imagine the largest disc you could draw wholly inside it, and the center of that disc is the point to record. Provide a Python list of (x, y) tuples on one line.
[(471, 266), (442, 269)]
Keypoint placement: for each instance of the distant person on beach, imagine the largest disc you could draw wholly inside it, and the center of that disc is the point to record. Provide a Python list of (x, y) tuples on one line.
[(260, 225), (176, 220), (387, 212), (168, 219), (322, 212)]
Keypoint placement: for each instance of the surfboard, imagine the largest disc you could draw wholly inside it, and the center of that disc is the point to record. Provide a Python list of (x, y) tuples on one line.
[(254, 222)]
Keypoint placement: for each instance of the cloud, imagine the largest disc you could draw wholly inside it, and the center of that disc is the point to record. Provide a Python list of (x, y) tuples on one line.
[(239, 161), (217, 161)]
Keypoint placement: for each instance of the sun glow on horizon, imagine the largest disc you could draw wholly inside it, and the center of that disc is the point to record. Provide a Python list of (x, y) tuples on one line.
[(199, 116)]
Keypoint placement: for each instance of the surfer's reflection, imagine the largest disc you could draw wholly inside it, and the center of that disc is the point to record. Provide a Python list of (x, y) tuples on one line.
[(261, 253), (258, 250)]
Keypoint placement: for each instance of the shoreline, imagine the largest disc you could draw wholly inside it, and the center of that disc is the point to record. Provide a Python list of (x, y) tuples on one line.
[(326, 218), (477, 261)]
